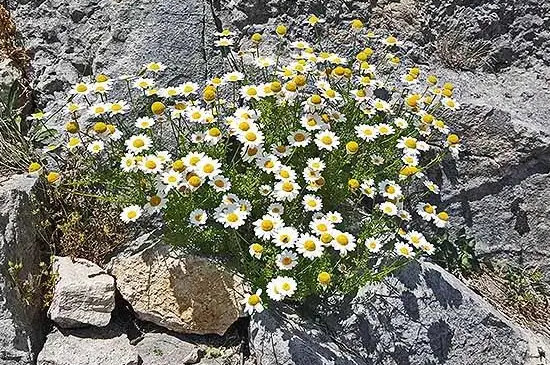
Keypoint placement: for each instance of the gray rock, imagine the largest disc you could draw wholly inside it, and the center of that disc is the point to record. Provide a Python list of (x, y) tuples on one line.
[(423, 316), (73, 39), (497, 190), (83, 295), (87, 347), (176, 290), (21, 325), (163, 349)]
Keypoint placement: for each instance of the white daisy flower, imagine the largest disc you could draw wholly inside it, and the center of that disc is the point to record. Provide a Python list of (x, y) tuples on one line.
[(276, 209), (150, 164), (269, 163), (312, 203), (155, 67), (138, 143), (255, 250), (220, 183), (309, 246), (299, 138), (373, 245), (388, 208), (403, 249), (327, 140), (171, 179), (385, 129), (253, 303), (286, 260), (98, 109), (96, 147), (233, 76), (232, 218), (334, 217), (343, 242), (426, 211), (131, 213), (251, 138), (266, 227), (390, 189), (128, 163), (208, 167), (286, 190), (285, 237), (155, 203), (366, 132), (441, 219), (431, 186), (319, 226)]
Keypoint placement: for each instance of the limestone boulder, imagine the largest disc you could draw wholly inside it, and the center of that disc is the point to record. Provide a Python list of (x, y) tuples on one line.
[(176, 290), (83, 295)]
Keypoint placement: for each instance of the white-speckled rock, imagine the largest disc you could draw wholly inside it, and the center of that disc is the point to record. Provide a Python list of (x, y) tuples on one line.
[(83, 295)]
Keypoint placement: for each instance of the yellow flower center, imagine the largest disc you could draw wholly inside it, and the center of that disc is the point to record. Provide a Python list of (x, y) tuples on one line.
[(428, 208), (286, 260), (316, 99), (250, 136), (267, 225), (453, 139), (310, 245), (324, 277), (194, 181), (151, 165), (326, 140), (342, 239), (208, 168), (100, 127), (299, 137), (288, 186), (444, 216), (352, 147), (132, 214), (251, 91), (244, 126), (157, 108), (81, 88), (256, 247), (155, 200), (326, 238), (232, 217), (214, 132), (138, 143), (254, 299)]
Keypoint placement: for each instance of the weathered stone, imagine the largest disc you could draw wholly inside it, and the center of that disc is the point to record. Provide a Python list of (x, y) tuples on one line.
[(74, 39), (21, 324), (88, 347), (181, 292), (163, 349), (83, 295), (424, 315)]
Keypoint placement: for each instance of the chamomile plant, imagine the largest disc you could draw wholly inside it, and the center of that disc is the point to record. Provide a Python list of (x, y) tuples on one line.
[(301, 169)]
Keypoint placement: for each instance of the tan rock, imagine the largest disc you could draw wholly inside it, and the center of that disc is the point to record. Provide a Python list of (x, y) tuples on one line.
[(178, 291)]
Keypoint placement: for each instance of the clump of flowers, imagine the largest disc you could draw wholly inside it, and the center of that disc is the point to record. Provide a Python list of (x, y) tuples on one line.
[(303, 169)]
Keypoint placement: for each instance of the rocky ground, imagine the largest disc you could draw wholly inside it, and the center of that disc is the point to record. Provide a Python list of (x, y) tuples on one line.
[(495, 51)]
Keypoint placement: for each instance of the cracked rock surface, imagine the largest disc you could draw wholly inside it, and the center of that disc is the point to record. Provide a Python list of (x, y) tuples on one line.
[(423, 316)]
